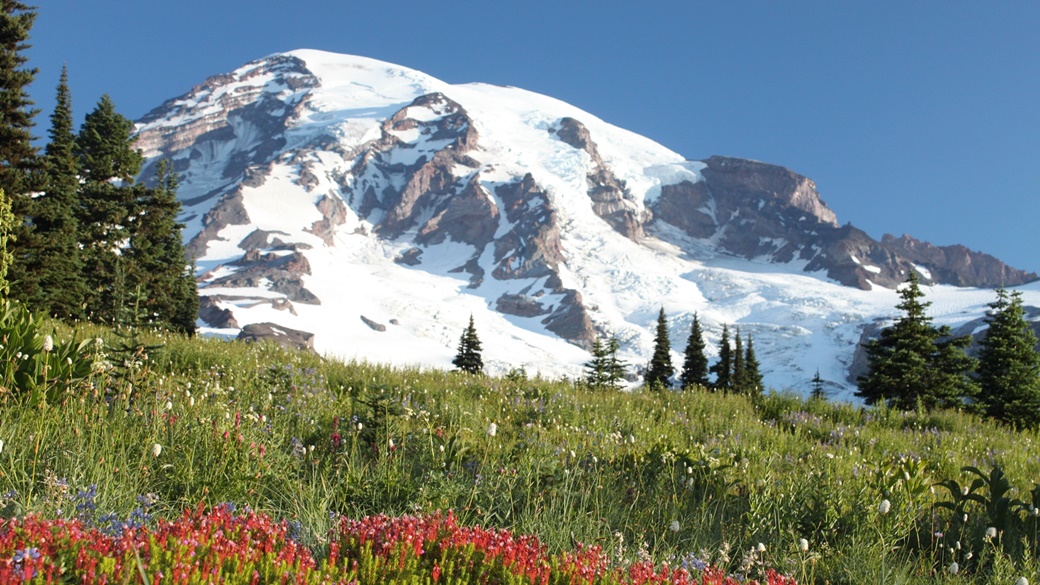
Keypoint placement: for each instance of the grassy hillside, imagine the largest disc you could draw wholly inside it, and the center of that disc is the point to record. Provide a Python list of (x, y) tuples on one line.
[(686, 478)]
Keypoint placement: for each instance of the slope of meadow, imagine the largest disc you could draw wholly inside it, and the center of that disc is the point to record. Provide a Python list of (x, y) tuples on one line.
[(687, 479)]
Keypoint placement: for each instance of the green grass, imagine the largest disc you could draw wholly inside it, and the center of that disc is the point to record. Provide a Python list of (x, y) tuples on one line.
[(279, 431)]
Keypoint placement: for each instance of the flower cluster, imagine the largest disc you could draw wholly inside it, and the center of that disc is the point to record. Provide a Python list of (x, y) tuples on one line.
[(219, 545)]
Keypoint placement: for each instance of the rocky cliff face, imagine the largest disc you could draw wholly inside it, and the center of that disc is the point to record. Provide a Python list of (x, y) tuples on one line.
[(757, 210)]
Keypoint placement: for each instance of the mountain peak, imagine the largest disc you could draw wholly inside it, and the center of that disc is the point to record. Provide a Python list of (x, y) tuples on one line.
[(378, 208)]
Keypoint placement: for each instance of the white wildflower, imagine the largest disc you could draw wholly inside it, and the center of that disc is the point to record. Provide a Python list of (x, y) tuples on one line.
[(492, 430), (156, 450), (48, 343), (761, 548), (1, 445), (954, 568), (885, 507), (803, 545), (991, 532), (674, 526), (1022, 581)]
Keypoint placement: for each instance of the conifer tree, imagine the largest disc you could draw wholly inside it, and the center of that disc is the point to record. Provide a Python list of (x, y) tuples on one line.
[(605, 370), (914, 363), (18, 157), (695, 363), (155, 255), (1009, 366), (752, 371), (468, 357), (723, 369), (659, 373), (738, 379), (596, 368), (616, 368), (105, 152), (58, 287), (817, 387), (105, 145)]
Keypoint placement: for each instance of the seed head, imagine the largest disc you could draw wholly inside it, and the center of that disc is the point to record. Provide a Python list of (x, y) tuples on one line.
[(885, 507), (492, 430), (674, 526), (156, 450), (803, 545), (954, 568)]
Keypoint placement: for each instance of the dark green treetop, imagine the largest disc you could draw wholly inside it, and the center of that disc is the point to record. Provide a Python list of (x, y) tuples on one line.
[(723, 369), (468, 357), (659, 373), (912, 363), (695, 362), (1009, 366)]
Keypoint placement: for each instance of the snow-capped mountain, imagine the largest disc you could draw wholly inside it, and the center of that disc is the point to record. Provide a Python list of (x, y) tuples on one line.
[(370, 209)]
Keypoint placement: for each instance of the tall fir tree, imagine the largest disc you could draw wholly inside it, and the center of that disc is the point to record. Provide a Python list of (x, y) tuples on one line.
[(616, 367), (738, 363), (19, 159), (605, 370), (660, 371), (752, 369), (817, 392), (695, 362), (596, 368), (105, 152), (912, 363), (723, 369), (155, 255), (1009, 366), (468, 358), (58, 287)]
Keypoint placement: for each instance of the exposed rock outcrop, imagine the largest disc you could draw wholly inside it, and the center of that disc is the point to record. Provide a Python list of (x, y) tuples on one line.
[(757, 210), (284, 336), (214, 316), (609, 194), (282, 273), (373, 325), (227, 211), (333, 213)]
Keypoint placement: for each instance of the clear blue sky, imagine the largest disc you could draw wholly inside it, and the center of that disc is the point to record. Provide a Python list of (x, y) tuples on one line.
[(912, 117)]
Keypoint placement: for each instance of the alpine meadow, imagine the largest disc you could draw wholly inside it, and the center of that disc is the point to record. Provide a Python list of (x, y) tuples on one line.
[(329, 320)]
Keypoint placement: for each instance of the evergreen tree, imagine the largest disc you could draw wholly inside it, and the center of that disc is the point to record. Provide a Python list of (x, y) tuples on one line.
[(752, 371), (54, 284), (18, 156), (914, 363), (605, 370), (155, 255), (616, 368), (659, 373), (105, 145), (817, 387), (723, 369), (596, 368), (105, 151), (468, 357), (695, 363), (1009, 366), (738, 379)]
